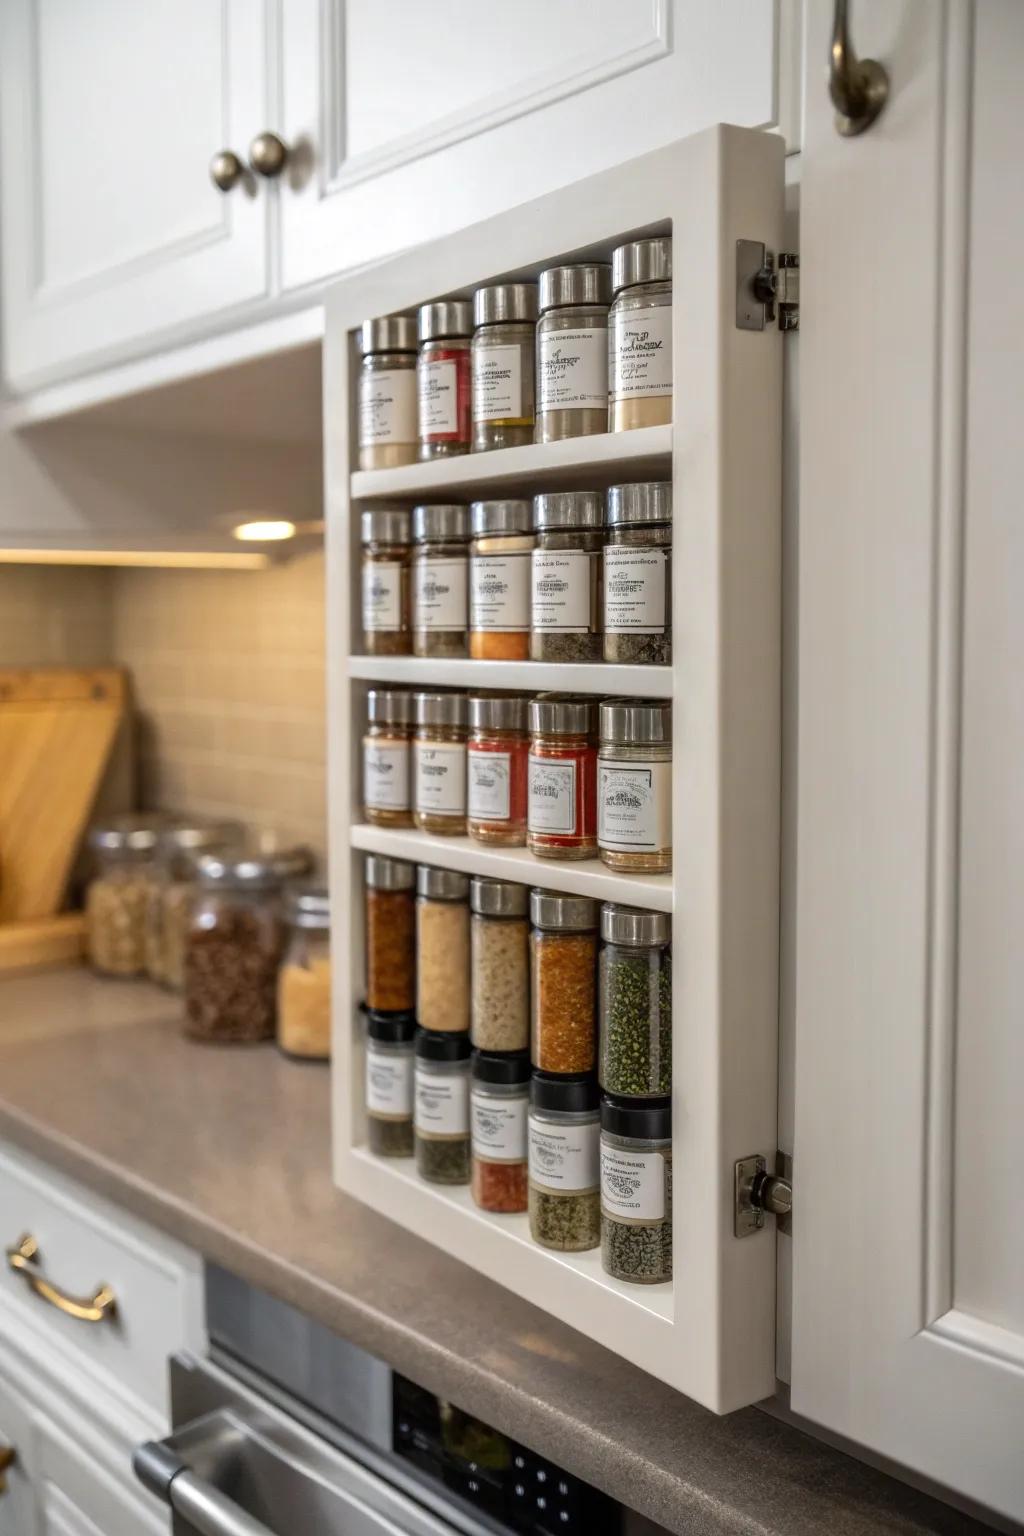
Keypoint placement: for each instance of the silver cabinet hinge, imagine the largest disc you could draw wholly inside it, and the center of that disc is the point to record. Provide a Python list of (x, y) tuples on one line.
[(758, 1192), (764, 289)]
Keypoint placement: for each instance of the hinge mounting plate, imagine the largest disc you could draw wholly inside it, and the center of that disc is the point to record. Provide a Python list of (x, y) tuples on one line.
[(756, 1192), (764, 289)]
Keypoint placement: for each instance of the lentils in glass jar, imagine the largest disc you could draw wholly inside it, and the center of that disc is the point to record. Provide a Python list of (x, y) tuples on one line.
[(565, 607), (638, 574)]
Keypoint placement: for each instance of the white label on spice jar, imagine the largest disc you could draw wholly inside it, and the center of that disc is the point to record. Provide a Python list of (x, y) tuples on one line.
[(640, 353), (498, 1127), (382, 595), (490, 785), (441, 777), (552, 796), (572, 370), (386, 775), (389, 1084), (562, 584), (632, 1184), (634, 806), (439, 594), (497, 383), (499, 592), (564, 1158), (438, 387), (634, 590), (442, 1103), (387, 407)]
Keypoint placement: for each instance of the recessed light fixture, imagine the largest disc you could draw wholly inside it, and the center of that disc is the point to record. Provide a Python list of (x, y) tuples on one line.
[(264, 531)]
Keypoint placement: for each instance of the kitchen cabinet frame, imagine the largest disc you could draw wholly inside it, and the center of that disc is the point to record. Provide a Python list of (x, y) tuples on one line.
[(710, 1332)]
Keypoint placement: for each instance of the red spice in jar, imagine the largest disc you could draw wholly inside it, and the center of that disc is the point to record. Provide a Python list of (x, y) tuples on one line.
[(562, 778), (498, 1104), (443, 378), (501, 1187), (496, 770)]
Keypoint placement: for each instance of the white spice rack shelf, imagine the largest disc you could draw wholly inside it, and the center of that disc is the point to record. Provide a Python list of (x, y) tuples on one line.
[(605, 678)]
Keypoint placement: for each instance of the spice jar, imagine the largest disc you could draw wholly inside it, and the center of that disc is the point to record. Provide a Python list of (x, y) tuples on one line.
[(572, 352), (503, 365), (561, 815), (636, 1190), (172, 892), (389, 1079), (440, 590), (638, 574), (499, 1098), (564, 1163), (118, 897), (441, 1110), (304, 980), (563, 949), (387, 392), (640, 335), (499, 580), (385, 537), (390, 935), (635, 1002), (387, 751), (235, 943), (439, 763), (442, 378), (565, 606), (634, 785), (496, 770), (499, 947), (442, 949)]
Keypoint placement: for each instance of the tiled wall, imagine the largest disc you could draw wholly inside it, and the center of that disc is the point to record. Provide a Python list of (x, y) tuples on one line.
[(53, 617)]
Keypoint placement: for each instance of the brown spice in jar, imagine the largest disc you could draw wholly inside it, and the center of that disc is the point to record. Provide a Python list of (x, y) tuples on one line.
[(563, 1001), (390, 951), (231, 976)]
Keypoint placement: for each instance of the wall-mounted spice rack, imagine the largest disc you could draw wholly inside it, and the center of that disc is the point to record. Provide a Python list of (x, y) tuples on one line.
[(710, 1332)]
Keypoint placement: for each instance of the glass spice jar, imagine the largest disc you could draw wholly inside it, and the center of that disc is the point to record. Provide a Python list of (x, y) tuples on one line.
[(499, 580), (635, 1002), (443, 378), (385, 539), (387, 392), (500, 955), (503, 365), (441, 1108), (496, 770), (572, 352), (561, 815), (389, 1083), (563, 1136), (638, 574), (640, 335), (304, 980), (440, 580), (563, 960), (565, 606), (636, 1190), (499, 1098), (634, 785), (387, 755), (442, 949), (439, 763), (172, 892), (119, 895), (390, 935)]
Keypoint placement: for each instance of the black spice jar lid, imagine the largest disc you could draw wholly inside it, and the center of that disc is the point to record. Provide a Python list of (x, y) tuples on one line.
[(647, 1120), (509, 1067), (573, 1093), (393, 1028), (442, 1045)]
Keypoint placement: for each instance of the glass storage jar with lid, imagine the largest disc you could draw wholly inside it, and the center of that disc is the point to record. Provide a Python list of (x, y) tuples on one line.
[(565, 606), (390, 934), (563, 945), (500, 954), (572, 352), (638, 574), (440, 580), (235, 942), (441, 1109), (439, 763), (499, 580), (385, 572), (499, 1097), (443, 378), (387, 755), (636, 1189), (634, 785), (119, 895), (172, 892), (635, 1002), (387, 392), (389, 1083), (640, 335), (564, 1162), (496, 768), (561, 815), (304, 980), (503, 365), (442, 949)]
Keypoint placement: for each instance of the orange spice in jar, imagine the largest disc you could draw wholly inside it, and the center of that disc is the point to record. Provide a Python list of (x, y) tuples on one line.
[(390, 935), (563, 948), (499, 580)]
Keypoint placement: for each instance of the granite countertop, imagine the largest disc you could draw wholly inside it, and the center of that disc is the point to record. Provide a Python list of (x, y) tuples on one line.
[(227, 1149)]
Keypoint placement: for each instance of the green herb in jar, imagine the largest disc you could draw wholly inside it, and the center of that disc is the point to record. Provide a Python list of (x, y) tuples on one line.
[(443, 1162), (636, 1014), (390, 1138), (640, 1254), (571, 1223)]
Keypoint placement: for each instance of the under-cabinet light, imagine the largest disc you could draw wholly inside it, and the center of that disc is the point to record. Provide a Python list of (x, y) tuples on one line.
[(268, 531), (169, 559)]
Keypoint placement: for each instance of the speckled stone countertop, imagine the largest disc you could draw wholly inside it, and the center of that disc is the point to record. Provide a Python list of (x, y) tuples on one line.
[(228, 1150)]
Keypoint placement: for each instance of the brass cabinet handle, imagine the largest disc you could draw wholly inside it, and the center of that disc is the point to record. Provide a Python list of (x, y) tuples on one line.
[(226, 170), (8, 1456), (268, 155), (23, 1259), (859, 87)]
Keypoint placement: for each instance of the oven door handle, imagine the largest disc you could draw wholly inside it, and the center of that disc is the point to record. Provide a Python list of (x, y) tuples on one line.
[(201, 1503)]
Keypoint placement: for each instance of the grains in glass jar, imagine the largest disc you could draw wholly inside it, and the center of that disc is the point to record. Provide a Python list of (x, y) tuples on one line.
[(498, 1101), (387, 754), (389, 1083), (561, 814), (304, 980), (638, 574), (118, 897), (636, 1190), (496, 758), (390, 935), (442, 949), (503, 365), (440, 580), (443, 378), (385, 576), (634, 785), (635, 1002), (572, 352), (439, 763), (499, 941), (565, 604), (499, 580), (441, 1109), (563, 947), (564, 1167), (387, 392), (640, 335)]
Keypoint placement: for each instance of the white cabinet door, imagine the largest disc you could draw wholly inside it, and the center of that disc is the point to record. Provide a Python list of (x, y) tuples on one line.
[(908, 1281), (408, 121), (112, 231)]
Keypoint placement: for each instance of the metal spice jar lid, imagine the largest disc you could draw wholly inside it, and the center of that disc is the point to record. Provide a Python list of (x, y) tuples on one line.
[(498, 898), (392, 1028), (499, 517), (562, 714), (501, 1066), (128, 834), (388, 706), (568, 509), (505, 301), (647, 1120), (385, 525), (642, 261), (497, 712), (582, 283), (554, 909), (650, 501), (440, 708), (445, 520), (573, 1093), (449, 317), (441, 884), (631, 926), (253, 869), (384, 874), (308, 906), (443, 1045), (635, 722), (388, 333)]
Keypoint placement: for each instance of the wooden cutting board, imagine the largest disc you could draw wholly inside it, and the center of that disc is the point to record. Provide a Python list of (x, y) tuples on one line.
[(57, 728)]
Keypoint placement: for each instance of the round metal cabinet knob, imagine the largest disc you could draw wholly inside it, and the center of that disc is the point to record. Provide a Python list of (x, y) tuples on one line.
[(226, 170), (268, 155)]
